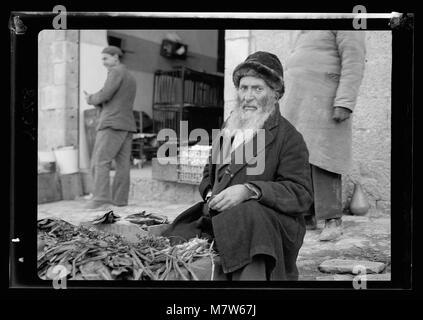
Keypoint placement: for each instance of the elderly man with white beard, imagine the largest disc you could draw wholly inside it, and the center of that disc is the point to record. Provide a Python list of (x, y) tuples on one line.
[(255, 217)]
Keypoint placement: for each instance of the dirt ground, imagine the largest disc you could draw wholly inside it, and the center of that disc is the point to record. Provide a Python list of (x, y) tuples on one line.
[(364, 238)]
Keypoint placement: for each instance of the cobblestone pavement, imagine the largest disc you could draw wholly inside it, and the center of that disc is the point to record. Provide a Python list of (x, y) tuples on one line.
[(364, 238)]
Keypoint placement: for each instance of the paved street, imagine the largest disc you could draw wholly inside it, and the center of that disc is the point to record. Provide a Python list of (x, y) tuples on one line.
[(364, 238)]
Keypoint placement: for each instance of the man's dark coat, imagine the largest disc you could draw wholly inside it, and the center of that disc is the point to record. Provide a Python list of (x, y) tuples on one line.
[(116, 100), (273, 225)]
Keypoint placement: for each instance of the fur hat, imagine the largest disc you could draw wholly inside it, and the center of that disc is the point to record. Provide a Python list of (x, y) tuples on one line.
[(112, 50), (267, 66)]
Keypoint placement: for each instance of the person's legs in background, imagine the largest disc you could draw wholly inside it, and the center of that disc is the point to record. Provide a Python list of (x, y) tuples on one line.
[(327, 187), (121, 180), (107, 143)]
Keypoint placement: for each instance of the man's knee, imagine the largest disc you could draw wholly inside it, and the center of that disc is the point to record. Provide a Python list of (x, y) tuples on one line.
[(247, 210), (249, 206)]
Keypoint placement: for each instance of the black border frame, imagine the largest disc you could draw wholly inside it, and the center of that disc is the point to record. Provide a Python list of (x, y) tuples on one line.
[(23, 173)]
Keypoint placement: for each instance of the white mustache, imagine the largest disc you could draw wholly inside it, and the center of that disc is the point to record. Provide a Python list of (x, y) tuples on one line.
[(249, 106)]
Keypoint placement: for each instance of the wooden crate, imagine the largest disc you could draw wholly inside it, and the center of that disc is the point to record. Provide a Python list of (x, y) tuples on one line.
[(71, 186), (49, 187)]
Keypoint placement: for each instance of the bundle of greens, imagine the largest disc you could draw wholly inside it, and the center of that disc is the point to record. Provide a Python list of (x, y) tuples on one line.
[(90, 254), (146, 219)]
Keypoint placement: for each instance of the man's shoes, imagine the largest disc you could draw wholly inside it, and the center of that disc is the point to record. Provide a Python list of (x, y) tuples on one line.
[(310, 221), (332, 230), (94, 204)]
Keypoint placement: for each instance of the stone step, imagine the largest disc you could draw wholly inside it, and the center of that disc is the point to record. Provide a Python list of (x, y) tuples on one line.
[(144, 188), (350, 277), (351, 266)]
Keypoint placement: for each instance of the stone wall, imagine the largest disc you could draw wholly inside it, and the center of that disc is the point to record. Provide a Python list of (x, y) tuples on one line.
[(92, 75), (372, 116), (58, 68)]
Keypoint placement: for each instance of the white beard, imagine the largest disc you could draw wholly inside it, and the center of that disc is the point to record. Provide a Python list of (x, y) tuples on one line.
[(243, 126), (239, 121)]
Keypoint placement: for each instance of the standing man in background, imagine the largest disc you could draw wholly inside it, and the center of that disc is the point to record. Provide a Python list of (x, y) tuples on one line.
[(114, 132), (323, 76)]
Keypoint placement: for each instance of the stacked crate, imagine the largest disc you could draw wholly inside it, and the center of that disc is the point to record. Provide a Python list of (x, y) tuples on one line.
[(191, 163)]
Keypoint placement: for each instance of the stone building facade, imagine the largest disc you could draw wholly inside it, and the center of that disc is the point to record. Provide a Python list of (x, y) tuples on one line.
[(58, 88)]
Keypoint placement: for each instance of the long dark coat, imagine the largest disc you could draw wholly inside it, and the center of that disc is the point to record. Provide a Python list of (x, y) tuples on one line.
[(273, 225), (324, 70)]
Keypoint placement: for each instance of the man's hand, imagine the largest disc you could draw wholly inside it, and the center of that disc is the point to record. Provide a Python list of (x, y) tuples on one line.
[(229, 198), (340, 114)]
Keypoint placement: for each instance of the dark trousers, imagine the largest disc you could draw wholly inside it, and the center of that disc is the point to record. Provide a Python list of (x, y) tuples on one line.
[(327, 189), (111, 145)]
